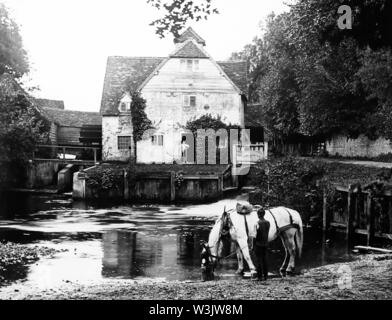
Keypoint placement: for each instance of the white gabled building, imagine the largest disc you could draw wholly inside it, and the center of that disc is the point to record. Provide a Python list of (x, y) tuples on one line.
[(183, 86)]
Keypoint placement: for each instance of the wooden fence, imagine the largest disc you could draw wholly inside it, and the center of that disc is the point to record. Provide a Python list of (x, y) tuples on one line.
[(160, 187), (359, 211), (250, 154)]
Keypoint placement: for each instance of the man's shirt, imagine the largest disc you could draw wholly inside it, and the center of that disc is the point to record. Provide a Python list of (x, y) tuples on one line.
[(263, 227)]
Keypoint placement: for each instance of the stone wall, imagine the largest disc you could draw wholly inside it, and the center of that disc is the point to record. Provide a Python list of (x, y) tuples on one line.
[(112, 128), (360, 147), (42, 174)]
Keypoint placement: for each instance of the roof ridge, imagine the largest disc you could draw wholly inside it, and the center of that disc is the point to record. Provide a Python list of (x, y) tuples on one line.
[(231, 61), (68, 110), (136, 57)]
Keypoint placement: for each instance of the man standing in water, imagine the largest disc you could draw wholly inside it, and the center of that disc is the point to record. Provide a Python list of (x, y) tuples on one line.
[(260, 245)]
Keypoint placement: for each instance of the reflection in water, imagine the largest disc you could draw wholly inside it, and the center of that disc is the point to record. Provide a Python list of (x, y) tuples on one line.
[(130, 254), (118, 253)]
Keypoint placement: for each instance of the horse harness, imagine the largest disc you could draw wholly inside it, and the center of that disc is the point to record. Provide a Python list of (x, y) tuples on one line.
[(227, 224), (284, 228)]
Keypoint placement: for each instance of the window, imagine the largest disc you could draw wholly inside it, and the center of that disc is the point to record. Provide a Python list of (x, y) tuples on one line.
[(189, 101), (125, 103), (157, 140), (190, 65), (124, 142), (192, 100)]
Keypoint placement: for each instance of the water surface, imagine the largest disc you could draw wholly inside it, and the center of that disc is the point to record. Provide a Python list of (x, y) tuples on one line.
[(159, 242)]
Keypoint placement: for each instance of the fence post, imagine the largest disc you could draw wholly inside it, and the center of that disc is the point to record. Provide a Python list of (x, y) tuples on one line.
[(95, 155), (126, 185), (265, 150), (350, 216), (325, 212), (172, 186), (370, 222)]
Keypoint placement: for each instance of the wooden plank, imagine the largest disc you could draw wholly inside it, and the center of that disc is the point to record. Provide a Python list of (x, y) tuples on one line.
[(337, 224), (201, 177), (370, 222), (341, 189), (366, 248), (350, 215)]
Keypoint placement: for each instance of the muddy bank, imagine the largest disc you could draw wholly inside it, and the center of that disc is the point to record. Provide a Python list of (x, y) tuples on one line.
[(370, 279), (15, 258)]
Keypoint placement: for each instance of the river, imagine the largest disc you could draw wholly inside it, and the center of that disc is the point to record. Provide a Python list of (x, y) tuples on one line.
[(139, 242)]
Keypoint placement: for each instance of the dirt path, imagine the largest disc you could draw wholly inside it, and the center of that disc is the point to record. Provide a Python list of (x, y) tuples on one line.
[(364, 163), (371, 279)]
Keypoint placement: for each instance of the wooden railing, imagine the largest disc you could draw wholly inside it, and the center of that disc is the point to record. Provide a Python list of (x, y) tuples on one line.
[(55, 155), (250, 153)]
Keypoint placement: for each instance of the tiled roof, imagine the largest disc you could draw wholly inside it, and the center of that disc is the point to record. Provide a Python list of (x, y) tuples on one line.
[(189, 50), (119, 72), (123, 70), (190, 34), (71, 118), (237, 72), (57, 104)]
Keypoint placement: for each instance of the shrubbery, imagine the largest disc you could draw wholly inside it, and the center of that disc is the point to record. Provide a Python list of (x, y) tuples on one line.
[(300, 183), (289, 182)]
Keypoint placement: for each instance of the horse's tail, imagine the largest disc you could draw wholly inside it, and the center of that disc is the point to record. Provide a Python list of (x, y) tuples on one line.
[(299, 239)]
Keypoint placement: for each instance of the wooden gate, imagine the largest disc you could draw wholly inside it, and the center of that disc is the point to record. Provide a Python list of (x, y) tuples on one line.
[(360, 211)]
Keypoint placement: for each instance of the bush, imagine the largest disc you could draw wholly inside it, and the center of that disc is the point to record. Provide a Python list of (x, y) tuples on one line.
[(289, 182), (299, 183), (102, 180)]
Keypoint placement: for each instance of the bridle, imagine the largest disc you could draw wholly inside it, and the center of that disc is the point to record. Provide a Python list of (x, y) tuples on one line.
[(224, 232)]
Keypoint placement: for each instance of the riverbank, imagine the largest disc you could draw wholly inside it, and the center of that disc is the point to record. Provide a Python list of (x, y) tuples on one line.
[(371, 276), (15, 258)]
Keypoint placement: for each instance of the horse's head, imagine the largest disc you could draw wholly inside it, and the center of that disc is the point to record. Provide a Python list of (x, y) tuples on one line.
[(219, 237)]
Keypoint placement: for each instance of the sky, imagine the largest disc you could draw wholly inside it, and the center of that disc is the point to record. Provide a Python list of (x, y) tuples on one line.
[(68, 41)]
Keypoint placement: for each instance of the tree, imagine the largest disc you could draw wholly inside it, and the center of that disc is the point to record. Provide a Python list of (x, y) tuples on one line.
[(22, 127), (178, 12), (314, 79), (140, 121), (13, 57)]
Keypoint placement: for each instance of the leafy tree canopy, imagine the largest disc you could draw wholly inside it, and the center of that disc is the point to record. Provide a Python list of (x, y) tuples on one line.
[(13, 57), (208, 121), (178, 12), (315, 79)]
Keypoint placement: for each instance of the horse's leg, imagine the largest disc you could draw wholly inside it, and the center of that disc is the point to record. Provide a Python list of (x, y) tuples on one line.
[(290, 245), (243, 243), (240, 259), (283, 268)]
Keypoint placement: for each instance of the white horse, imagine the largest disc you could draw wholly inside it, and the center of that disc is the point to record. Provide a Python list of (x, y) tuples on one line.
[(239, 228)]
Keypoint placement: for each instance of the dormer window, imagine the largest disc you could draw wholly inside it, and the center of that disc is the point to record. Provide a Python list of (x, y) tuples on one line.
[(125, 103), (189, 65)]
